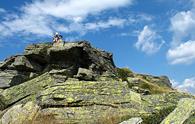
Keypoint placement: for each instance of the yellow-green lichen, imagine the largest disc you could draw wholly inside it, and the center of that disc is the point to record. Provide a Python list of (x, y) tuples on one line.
[(184, 110)]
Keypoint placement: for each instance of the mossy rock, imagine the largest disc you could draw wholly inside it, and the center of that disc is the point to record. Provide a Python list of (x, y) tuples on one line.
[(26, 90), (20, 114), (183, 114), (74, 101)]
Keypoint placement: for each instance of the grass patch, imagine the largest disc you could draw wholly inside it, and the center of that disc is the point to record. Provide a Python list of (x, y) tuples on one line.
[(154, 89), (124, 73)]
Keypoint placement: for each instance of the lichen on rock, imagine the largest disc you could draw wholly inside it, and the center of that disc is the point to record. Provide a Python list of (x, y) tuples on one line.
[(183, 114), (76, 83), (20, 114)]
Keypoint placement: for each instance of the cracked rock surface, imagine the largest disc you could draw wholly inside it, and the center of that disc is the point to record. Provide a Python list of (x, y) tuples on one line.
[(78, 84), (78, 58)]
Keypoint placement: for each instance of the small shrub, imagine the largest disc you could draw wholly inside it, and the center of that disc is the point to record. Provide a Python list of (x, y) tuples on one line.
[(124, 73)]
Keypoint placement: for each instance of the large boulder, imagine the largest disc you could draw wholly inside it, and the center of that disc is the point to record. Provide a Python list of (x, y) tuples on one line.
[(20, 63), (16, 70), (5, 79), (24, 91), (160, 105), (81, 55), (183, 114), (38, 52), (10, 78), (85, 74), (88, 93), (72, 56), (20, 114)]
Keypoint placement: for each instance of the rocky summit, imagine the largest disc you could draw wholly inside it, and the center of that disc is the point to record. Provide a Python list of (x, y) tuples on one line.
[(77, 60), (75, 83)]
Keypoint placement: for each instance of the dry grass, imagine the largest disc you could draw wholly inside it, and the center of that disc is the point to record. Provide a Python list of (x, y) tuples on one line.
[(155, 89), (46, 119), (110, 119), (107, 118)]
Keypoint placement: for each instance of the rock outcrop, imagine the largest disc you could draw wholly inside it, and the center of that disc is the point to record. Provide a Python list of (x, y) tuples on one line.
[(75, 83), (79, 59)]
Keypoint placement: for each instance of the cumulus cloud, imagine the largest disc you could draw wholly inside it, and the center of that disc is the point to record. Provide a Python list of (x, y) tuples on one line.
[(149, 41), (73, 9), (188, 85), (183, 54), (183, 26), (43, 17), (182, 49)]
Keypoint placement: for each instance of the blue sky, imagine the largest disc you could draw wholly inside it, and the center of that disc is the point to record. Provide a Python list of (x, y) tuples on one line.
[(148, 36)]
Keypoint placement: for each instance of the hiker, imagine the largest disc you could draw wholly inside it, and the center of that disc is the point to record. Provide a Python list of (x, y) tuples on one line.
[(57, 38)]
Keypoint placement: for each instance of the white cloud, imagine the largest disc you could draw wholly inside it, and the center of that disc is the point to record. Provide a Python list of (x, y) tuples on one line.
[(43, 17), (102, 24), (182, 49), (28, 24), (73, 9), (82, 28), (135, 18), (149, 41), (183, 26), (144, 17), (183, 54), (188, 85)]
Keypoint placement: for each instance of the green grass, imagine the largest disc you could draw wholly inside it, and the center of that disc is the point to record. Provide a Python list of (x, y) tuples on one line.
[(124, 73)]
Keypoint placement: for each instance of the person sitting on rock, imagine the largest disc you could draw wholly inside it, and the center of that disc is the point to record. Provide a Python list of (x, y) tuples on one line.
[(57, 38)]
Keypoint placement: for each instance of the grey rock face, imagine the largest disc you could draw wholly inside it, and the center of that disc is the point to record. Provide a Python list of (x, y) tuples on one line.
[(166, 80), (21, 63), (80, 55), (38, 52), (71, 55), (20, 114), (78, 59), (85, 74), (11, 77)]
